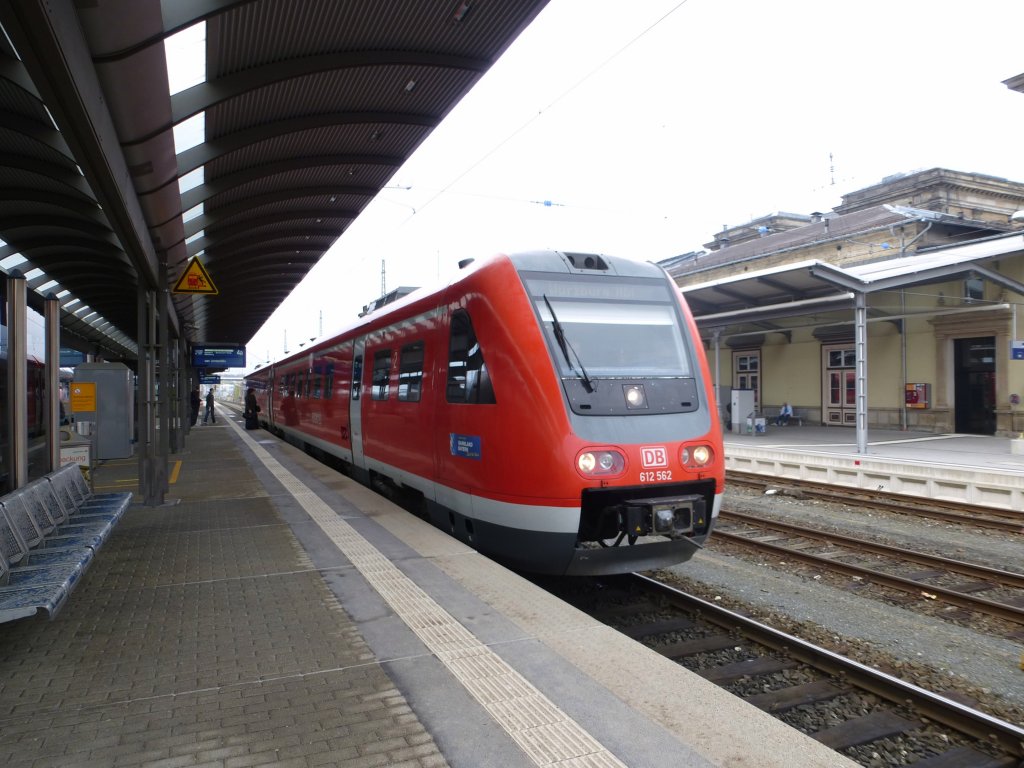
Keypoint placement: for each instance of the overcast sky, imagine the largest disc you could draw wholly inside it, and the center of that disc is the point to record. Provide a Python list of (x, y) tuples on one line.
[(650, 125)]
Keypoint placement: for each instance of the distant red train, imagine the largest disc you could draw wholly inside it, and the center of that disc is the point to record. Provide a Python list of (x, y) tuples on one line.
[(552, 410)]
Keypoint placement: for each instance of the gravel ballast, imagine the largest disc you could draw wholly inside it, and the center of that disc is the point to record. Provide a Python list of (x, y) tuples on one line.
[(936, 654)]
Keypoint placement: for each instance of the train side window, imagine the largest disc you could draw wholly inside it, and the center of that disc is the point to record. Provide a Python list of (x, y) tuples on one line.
[(317, 379), (468, 378), (357, 376), (410, 372), (328, 379), (381, 374)]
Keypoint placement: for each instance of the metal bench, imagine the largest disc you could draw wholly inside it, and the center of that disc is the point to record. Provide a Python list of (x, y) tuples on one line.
[(74, 493), (796, 418), (50, 531), (48, 516), (35, 579)]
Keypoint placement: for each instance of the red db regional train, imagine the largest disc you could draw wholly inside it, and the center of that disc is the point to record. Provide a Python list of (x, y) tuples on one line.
[(552, 410)]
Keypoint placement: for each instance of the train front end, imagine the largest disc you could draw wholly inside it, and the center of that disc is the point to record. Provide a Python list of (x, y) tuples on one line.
[(645, 440)]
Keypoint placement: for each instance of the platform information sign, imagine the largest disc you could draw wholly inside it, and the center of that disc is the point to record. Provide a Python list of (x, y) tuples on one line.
[(220, 356), (83, 397)]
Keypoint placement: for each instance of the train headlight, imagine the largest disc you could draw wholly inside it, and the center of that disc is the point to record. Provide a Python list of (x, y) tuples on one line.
[(635, 396), (696, 456), (600, 463)]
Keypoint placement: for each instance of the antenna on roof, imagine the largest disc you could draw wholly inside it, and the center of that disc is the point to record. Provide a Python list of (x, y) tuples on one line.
[(383, 284), (831, 169)]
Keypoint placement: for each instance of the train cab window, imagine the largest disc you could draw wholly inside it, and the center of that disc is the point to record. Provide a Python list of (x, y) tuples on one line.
[(468, 378), (357, 376), (381, 374), (410, 372)]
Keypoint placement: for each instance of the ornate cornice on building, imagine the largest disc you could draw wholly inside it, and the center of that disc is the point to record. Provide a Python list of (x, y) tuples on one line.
[(758, 228), (863, 229), (968, 195)]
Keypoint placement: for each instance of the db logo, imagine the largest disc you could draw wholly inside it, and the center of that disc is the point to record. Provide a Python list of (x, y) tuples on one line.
[(653, 456)]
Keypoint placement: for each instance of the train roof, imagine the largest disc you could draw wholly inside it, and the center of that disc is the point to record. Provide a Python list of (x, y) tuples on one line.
[(567, 262)]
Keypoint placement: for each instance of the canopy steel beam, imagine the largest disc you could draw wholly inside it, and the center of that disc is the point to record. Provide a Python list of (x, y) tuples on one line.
[(49, 38)]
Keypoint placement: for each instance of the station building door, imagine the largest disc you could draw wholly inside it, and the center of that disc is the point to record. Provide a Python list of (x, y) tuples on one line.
[(746, 373), (974, 385), (839, 385)]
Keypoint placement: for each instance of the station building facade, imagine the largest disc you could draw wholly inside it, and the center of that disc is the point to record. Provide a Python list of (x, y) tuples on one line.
[(912, 286)]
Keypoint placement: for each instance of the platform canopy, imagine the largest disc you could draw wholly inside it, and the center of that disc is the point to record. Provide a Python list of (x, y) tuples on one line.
[(814, 292), (308, 109)]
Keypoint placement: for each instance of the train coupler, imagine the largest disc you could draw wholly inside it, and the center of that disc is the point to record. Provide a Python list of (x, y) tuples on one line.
[(676, 516)]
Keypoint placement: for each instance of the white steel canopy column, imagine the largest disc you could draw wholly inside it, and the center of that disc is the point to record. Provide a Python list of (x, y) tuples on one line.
[(861, 367)]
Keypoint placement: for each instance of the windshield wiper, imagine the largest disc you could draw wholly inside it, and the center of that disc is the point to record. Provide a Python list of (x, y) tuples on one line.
[(565, 346)]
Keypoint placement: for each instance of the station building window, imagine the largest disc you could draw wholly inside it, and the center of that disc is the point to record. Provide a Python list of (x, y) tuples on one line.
[(974, 290)]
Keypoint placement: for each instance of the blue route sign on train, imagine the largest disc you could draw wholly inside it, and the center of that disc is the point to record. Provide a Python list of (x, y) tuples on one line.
[(218, 356)]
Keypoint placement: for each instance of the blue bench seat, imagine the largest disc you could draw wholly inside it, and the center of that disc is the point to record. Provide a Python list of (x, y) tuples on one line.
[(50, 531)]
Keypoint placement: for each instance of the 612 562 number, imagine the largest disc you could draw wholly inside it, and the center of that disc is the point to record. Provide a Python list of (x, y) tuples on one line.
[(661, 476)]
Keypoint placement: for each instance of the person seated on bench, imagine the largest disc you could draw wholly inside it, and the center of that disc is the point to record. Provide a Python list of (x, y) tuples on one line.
[(785, 414)]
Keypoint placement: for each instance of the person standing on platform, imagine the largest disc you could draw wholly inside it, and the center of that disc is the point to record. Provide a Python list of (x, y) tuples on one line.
[(209, 415), (251, 410), (195, 402)]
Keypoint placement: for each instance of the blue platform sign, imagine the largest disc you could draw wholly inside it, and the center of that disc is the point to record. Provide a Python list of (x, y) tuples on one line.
[(1017, 350), (219, 356), (209, 379)]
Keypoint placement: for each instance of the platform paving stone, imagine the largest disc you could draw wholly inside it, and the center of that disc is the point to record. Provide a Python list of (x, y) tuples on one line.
[(201, 636)]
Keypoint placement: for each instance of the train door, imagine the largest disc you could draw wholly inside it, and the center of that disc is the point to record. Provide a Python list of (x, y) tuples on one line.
[(271, 396), (356, 402), (974, 382)]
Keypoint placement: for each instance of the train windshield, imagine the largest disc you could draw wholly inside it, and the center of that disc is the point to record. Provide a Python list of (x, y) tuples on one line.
[(624, 330)]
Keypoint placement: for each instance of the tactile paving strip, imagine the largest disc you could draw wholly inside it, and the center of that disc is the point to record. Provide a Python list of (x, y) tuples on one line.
[(547, 735)]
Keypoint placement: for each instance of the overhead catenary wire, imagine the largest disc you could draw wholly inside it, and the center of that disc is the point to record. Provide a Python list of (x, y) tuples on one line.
[(533, 118)]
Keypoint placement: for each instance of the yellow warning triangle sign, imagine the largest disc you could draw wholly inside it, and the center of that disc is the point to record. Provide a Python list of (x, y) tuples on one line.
[(195, 279)]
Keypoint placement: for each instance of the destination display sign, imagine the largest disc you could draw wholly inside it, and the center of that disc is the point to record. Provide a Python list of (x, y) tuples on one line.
[(219, 356)]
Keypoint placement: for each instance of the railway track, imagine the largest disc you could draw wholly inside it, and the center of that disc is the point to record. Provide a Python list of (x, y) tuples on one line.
[(871, 717), (976, 588), (946, 511)]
